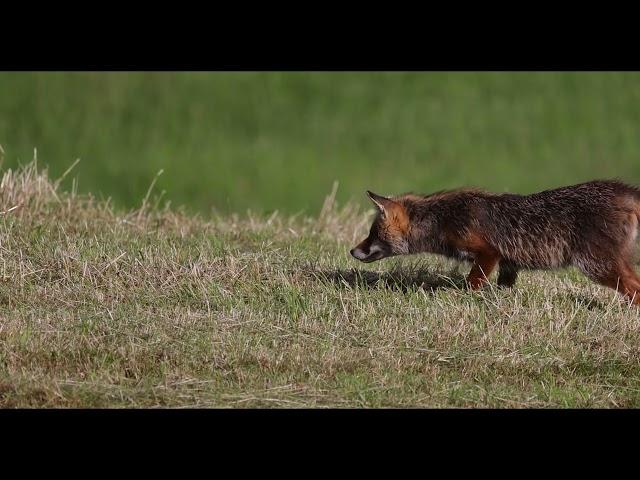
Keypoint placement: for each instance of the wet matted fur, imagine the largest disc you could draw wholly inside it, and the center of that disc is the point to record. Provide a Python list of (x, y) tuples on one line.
[(592, 226)]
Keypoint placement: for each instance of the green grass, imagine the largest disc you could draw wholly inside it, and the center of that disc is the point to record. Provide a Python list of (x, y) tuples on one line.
[(155, 307), (278, 141)]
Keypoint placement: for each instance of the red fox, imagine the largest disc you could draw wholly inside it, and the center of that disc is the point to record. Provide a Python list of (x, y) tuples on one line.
[(592, 226)]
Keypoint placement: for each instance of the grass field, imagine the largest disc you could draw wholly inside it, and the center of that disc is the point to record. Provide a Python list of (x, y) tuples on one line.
[(277, 141), (154, 307)]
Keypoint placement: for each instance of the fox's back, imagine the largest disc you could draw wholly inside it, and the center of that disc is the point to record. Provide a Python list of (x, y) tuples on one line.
[(544, 229)]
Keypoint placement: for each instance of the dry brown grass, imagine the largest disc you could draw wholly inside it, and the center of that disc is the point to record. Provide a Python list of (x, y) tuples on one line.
[(157, 308)]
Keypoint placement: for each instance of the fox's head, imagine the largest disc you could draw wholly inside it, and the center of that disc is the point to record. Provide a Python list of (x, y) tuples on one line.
[(389, 233)]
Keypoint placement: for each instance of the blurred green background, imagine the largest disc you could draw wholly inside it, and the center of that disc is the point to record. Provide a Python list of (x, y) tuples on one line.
[(277, 140)]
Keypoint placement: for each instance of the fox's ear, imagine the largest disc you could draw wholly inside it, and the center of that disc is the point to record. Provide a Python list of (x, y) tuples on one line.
[(383, 203), (391, 211)]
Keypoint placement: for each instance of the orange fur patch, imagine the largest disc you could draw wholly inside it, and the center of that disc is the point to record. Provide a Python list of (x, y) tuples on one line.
[(473, 242), (397, 218)]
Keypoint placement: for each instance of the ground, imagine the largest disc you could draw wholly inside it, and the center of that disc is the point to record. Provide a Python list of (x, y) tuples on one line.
[(154, 307)]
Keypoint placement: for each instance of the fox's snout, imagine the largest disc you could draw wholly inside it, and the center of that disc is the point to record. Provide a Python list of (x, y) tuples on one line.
[(369, 251)]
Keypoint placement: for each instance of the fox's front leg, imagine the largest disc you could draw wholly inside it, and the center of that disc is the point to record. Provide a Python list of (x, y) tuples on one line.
[(508, 274), (483, 265)]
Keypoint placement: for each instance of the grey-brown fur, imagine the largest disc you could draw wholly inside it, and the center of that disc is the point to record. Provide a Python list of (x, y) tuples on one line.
[(592, 225)]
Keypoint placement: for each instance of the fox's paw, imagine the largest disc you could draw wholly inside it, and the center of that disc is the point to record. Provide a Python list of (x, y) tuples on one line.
[(507, 280), (476, 283), (506, 284)]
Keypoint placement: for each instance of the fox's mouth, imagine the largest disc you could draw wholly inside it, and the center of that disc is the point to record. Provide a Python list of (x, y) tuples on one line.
[(372, 257)]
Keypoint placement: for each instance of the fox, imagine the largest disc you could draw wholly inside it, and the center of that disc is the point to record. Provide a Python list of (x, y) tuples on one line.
[(592, 226)]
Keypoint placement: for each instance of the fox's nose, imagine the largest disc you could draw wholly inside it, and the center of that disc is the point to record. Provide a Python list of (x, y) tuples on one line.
[(357, 253)]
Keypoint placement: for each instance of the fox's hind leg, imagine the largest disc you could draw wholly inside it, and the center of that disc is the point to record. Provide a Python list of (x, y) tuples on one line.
[(631, 284), (609, 261), (508, 274), (623, 279)]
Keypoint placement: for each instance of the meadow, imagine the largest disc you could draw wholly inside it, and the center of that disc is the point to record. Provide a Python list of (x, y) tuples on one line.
[(154, 307), (267, 141)]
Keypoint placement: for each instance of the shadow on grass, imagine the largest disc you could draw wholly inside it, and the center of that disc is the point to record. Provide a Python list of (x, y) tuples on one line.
[(403, 280), (416, 277)]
